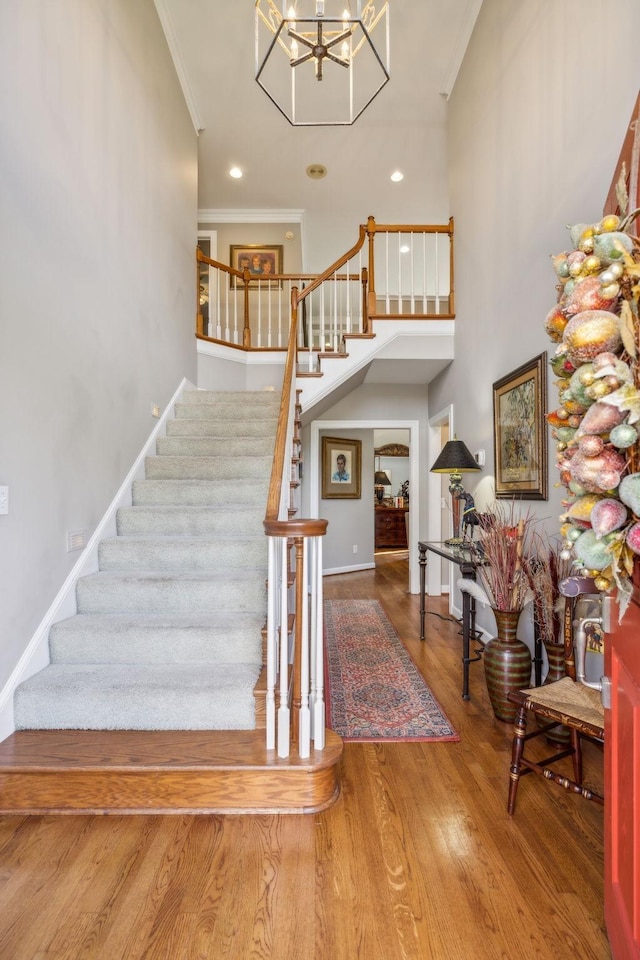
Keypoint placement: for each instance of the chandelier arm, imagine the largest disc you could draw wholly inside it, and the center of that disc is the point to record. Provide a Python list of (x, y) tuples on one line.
[(339, 39), (301, 39), (331, 56), (307, 56)]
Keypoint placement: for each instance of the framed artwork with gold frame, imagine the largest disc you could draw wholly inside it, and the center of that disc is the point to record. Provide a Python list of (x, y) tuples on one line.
[(520, 432), (341, 468)]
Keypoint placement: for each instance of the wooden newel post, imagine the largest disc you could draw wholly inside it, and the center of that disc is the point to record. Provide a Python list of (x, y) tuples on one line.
[(365, 308), (246, 329), (371, 232)]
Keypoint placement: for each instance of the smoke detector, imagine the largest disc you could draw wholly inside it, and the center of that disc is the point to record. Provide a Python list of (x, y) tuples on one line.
[(316, 171)]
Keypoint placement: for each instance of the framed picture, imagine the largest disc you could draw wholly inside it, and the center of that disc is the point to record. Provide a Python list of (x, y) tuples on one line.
[(520, 432), (262, 262), (341, 468)]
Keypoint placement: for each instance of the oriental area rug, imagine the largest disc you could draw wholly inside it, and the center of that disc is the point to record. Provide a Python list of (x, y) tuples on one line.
[(374, 691)]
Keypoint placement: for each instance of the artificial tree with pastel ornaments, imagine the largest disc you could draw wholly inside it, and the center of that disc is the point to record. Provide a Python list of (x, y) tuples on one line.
[(596, 424)]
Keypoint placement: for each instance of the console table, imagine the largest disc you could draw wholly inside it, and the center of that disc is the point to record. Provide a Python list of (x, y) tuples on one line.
[(464, 559)]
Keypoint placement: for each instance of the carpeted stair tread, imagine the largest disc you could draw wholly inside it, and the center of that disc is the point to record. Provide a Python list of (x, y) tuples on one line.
[(182, 553), (92, 638), (138, 697), (171, 592), (198, 427), (214, 446), (200, 492), (190, 521), (206, 468)]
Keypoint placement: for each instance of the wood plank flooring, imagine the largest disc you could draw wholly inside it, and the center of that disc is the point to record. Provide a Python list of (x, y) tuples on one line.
[(417, 860)]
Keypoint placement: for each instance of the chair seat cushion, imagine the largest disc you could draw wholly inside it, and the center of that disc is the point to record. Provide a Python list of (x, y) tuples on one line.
[(568, 699)]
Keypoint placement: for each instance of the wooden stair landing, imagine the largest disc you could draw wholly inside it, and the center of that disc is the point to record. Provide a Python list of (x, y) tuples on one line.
[(162, 772)]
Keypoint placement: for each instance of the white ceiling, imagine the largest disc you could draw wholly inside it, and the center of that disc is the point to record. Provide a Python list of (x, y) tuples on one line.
[(212, 44)]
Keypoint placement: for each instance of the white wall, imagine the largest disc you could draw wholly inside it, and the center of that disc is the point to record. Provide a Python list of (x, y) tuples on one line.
[(535, 128), (98, 201)]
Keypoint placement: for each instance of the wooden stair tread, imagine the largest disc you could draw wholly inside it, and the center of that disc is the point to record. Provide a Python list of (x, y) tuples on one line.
[(144, 750), (162, 772)]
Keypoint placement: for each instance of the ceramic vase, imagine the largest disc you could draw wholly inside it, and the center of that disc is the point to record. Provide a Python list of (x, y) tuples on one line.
[(507, 665)]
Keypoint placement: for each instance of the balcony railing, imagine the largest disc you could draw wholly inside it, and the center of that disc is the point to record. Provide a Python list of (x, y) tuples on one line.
[(392, 272)]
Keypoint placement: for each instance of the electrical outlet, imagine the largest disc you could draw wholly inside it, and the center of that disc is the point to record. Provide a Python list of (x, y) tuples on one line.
[(155, 411), (443, 503), (4, 500), (355, 548)]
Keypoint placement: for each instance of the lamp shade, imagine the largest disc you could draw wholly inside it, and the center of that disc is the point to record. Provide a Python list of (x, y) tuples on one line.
[(381, 479), (455, 458)]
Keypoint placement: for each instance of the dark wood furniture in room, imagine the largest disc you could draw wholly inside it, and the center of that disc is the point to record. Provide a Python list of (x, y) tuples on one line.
[(391, 527)]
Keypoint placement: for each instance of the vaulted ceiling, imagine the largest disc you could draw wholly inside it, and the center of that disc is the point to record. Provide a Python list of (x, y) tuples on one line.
[(212, 42)]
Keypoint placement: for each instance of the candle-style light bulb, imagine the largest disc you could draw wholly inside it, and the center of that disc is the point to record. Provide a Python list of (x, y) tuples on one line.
[(319, 8), (294, 50), (291, 17), (345, 50)]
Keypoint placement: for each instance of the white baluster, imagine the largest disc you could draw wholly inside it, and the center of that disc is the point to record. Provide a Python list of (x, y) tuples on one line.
[(318, 647), (272, 646), (284, 734), (304, 737)]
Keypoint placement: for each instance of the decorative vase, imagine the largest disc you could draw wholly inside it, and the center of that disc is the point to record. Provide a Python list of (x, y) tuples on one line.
[(507, 665)]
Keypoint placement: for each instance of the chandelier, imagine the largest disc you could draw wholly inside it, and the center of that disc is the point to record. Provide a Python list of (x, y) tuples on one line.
[(321, 67)]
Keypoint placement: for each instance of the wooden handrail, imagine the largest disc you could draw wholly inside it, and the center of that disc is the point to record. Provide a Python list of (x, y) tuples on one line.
[(241, 315), (330, 271)]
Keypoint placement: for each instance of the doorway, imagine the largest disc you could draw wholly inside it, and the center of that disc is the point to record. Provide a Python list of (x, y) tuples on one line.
[(412, 427)]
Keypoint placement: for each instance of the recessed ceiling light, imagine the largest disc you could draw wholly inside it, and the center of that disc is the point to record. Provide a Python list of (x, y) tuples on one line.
[(404, 248), (397, 176), (235, 172)]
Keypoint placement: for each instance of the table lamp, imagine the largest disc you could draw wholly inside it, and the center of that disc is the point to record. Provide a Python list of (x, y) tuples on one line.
[(455, 459), (380, 481)]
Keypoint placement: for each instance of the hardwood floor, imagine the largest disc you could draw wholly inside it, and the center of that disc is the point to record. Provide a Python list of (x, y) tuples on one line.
[(417, 860)]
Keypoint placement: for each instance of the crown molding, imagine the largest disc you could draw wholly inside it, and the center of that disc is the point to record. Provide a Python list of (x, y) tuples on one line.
[(183, 77), (250, 216)]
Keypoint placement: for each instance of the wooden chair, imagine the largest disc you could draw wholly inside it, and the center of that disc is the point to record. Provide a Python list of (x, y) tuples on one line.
[(569, 701)]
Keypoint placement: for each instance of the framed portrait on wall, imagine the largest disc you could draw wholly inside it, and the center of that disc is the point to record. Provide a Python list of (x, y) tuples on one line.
[(262, 261), (520, 431), (341, 468)]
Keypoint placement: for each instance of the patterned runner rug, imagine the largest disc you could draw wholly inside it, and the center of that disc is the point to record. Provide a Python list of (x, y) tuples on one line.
[(374, 689)]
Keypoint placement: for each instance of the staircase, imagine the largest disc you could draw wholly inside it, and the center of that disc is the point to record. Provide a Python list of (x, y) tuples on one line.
[(149, 701)]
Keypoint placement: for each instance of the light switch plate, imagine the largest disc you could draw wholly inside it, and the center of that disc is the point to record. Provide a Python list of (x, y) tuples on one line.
[(4, 500)]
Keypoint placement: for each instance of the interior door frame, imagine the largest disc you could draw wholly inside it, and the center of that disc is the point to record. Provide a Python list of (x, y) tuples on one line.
[(413, 426)]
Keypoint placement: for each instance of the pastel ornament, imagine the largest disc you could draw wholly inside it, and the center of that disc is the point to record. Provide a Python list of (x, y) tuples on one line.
[(623, 436), (608, 515), (591, 332), (600, 418), (592, 552), (581, 509), (629, 492), (633, 538), (588, 294), (598, 474)]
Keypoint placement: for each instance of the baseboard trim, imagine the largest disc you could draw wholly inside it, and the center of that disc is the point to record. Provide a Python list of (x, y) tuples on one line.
[(360, 566)]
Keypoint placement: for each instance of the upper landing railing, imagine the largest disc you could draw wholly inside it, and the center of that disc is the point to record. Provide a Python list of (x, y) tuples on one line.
[(392, 272)]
